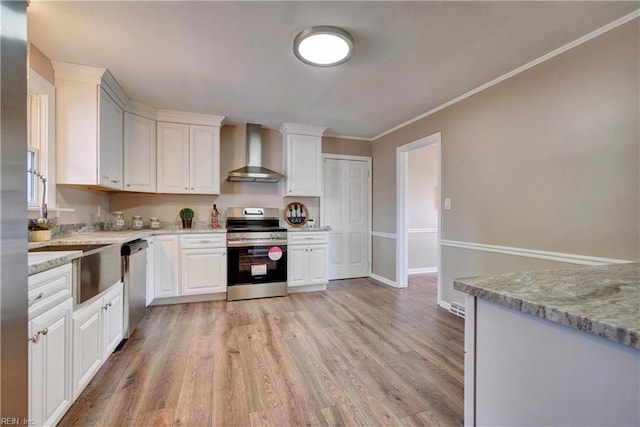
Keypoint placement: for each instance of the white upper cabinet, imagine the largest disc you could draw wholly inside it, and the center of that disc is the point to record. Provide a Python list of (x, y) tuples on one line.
[(139, 153), (188, 153), (89, 126), (302, 147)]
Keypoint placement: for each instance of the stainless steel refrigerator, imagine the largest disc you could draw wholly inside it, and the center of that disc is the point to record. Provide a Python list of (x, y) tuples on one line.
[(13, 213)]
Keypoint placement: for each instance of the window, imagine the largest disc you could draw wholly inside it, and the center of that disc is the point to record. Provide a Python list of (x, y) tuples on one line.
[(41, 140)]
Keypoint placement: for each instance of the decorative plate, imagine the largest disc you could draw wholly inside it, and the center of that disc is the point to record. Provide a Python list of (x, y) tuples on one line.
[(296, 214)]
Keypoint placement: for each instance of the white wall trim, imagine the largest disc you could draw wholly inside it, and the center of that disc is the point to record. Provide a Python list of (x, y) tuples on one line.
[(422, 270), (534, 253), (422, 230), (402, 180), (384, 280), (381, 234), (518, 70), (346, 157), (354, 138)]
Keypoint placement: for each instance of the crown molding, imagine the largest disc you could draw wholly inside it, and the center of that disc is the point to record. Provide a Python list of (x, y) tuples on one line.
[(190, 118), (292, 128), (354, 138)]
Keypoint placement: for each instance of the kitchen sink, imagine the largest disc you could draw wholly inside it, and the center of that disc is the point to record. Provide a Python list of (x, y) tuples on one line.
[(99, 267)]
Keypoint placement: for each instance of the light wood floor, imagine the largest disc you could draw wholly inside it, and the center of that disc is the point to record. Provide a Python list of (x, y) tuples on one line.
[(360, 353)]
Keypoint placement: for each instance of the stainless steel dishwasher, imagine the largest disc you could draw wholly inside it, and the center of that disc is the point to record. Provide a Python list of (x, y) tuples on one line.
[(134, 277)]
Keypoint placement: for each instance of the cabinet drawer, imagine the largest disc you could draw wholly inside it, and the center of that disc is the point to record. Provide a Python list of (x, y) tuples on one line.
[(49, 288), (210, 240), (307, 238)]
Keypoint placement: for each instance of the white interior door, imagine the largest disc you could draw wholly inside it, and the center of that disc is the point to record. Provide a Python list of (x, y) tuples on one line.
[(346, 206)]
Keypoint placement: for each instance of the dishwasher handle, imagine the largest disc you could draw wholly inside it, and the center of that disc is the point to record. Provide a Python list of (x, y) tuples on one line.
[(133, 247)]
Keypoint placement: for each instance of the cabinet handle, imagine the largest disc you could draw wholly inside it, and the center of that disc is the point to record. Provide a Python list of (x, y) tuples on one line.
[(37, 297), (128, 185), (205, 241), (308, 238), (114, 181), (34, 339), (186, 188), (224, 253), (192, 188)]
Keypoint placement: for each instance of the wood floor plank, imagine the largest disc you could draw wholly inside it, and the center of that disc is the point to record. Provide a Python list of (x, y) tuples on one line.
[(358, 354)]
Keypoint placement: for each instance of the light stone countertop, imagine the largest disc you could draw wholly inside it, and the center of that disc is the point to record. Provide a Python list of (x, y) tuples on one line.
[(299, 229), (41, 261), (602, 301), (108, 237)]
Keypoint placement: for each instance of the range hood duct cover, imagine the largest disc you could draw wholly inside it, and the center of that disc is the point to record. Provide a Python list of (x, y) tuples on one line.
[(254, 172)]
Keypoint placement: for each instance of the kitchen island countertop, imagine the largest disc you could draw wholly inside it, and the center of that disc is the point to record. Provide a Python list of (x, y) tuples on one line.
[(602, 301)]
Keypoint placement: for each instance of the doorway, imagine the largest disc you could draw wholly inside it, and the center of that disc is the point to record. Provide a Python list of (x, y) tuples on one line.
[(346, 208), (403, 211)]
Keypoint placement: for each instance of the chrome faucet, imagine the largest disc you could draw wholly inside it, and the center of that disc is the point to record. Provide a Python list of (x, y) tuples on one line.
[(43, 207)]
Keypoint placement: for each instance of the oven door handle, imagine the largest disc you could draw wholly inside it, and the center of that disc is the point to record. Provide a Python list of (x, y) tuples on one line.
[(255, 242)]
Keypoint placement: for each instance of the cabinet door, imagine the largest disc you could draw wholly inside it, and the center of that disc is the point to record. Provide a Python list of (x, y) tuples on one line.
[(87, 345), (105, 137), (151, 256), (139, 153), (297, 265), (204, 172), (304, 161), (112, 311), (173, 158), (318, 264), (110, 141), (167, 261), (203, 271), (50, 393), (116, 149)]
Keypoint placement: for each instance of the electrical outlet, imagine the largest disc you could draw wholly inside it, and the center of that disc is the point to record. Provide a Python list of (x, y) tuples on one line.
[(447, 204)]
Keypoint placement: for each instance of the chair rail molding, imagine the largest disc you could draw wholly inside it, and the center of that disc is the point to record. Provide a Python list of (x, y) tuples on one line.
[(534, 253)]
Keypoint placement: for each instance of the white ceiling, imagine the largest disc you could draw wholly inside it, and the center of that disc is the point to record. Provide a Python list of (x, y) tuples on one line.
[(235, 58)]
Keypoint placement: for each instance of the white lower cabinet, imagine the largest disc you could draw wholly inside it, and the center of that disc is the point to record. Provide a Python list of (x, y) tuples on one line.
[(87, 345), (151, 256), (190, 264), (97, 331), (50, 345), (203, 271), (50, 365), (307, 258), (167, 266)]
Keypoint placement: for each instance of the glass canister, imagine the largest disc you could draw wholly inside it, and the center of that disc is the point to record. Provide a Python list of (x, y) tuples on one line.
[(154, 223), (136, 222), (118, 221)]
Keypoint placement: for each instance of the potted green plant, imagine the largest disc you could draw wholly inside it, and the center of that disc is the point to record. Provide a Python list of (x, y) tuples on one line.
[(40, 230), (186, 214)]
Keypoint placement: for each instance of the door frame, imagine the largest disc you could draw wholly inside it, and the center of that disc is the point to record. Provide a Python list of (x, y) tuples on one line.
[(402, 234), (368, 161)]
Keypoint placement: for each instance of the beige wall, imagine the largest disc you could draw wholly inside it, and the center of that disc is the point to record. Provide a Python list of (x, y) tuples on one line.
[(85, 204), (422, 213), (546, 160), (332, 145), (40, 63)]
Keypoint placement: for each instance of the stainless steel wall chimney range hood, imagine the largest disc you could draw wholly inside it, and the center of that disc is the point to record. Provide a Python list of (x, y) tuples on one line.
[(254, 172)]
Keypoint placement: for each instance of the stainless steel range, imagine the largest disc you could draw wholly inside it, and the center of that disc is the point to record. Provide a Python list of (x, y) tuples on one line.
[(257, 253)]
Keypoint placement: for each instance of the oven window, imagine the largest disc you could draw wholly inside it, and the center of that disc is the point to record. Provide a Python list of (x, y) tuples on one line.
[(257, 264)]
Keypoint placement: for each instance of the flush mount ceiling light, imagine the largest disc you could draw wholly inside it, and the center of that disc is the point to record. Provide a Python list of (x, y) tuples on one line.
[(323, 46)]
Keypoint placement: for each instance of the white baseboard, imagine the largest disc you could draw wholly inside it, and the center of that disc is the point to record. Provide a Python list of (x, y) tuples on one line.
[(383, 280), (307, 288), (422, 270), (189, 298)]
